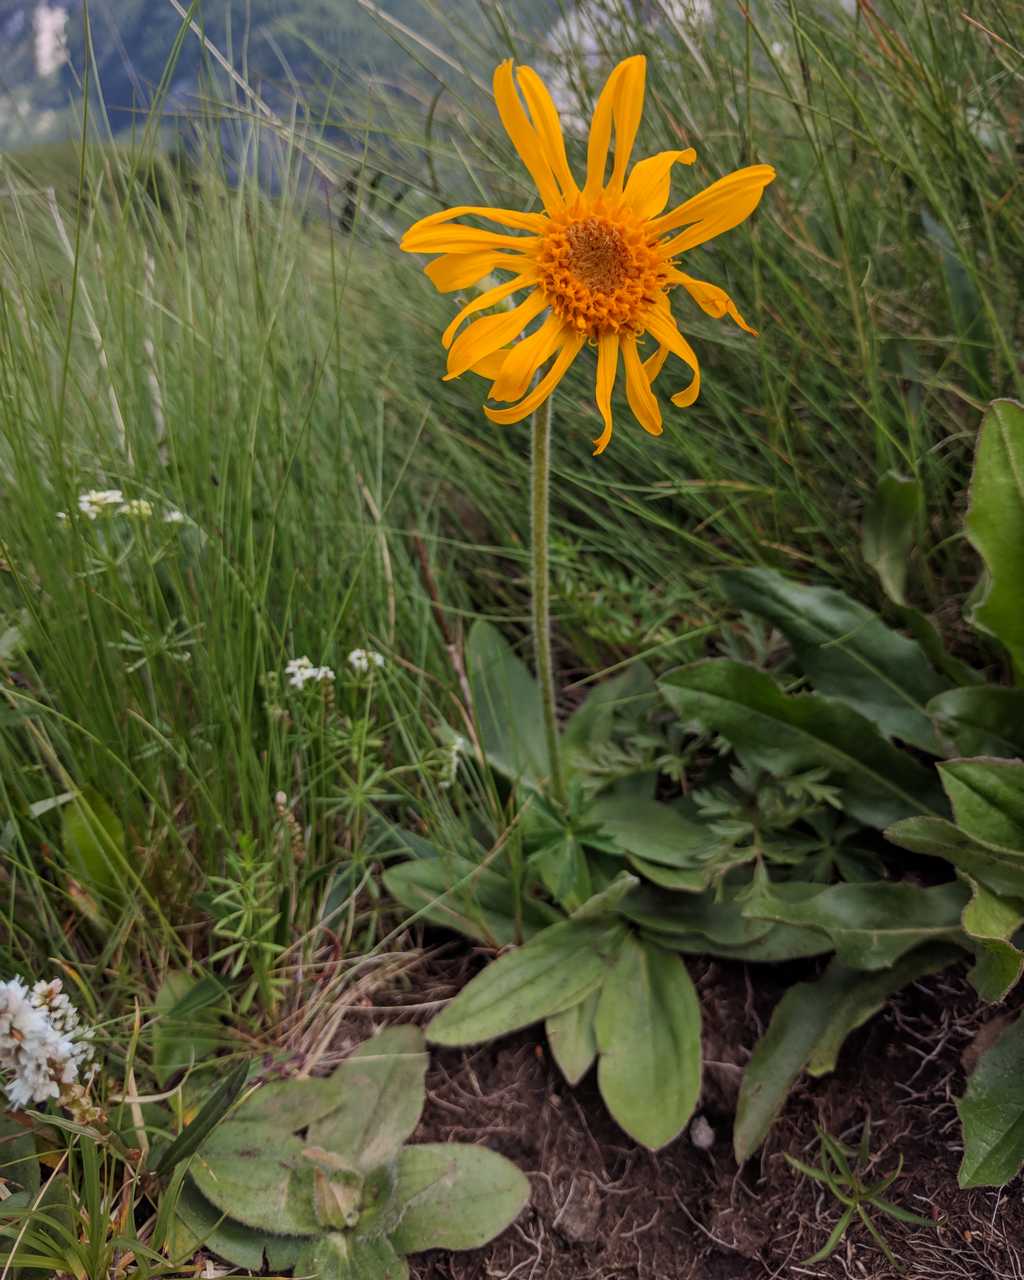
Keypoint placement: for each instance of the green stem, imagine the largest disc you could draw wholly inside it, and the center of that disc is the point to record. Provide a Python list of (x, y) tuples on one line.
[(541, 588)]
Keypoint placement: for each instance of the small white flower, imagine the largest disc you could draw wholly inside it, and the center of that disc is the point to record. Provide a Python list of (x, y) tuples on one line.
[(136, 507), (42, 1045), (361, 660), (174, 516), (300, 671), (95, 501)]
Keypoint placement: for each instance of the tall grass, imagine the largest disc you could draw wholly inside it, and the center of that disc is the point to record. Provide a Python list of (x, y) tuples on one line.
[(227, 354)]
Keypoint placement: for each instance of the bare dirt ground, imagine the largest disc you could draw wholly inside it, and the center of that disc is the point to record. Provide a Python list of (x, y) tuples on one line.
[(604, 1209)]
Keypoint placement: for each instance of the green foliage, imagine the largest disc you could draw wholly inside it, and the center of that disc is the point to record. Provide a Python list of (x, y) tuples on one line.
[(94, 847), (807, 1029), (842, 1171), (348, 1198), (892, 518), (995, 525)]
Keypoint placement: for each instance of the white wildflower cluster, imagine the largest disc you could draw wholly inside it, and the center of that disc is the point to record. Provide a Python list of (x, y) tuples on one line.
[(361, 660), (42, 1045), (300, 671), (98, 502), (454, 751)]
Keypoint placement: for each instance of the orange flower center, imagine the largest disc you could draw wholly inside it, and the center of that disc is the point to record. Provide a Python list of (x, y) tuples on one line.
[(598, 273)]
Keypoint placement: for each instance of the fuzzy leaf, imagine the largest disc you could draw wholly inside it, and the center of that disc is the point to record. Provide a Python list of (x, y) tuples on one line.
[(507, 705), (870, 925), (788, 733), (345, 1257), (380, 1093), (846, 651), (211, 1114), (200, 1225), (455, 1196), (988, 800), (266, 1184), (983, 720), (553, 971), (995, 524), (648, 1039), (807, 1030), (891, 519), (572, 1040), (992, 1113)]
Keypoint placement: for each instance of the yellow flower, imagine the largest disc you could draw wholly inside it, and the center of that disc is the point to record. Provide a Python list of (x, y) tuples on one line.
[(597, 264)]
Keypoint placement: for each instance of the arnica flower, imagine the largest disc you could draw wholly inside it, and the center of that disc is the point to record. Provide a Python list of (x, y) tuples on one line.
[(597, 265)]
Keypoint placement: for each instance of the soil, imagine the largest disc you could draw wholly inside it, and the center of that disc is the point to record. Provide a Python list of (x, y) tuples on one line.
[(604, 1209)]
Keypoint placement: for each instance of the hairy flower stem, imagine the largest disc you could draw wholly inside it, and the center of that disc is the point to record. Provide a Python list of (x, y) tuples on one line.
[(541, 588)]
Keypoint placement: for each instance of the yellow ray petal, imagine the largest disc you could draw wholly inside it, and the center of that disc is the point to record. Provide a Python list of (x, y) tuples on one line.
[(549, 129), (490, 366), (629, 109), (621, 102), (487, 335), (570, 350), (525, 358), (524, 136), (720, 208), (535, 222), (642, 399), (661, 325), (459, 239), (488, 298), (716, 302), (650, 181), (607, 367), (654, 364), (460, 270)]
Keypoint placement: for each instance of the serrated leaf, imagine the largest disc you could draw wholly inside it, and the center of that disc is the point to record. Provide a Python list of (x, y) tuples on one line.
[(649, 1045), (204, 1226), (787, 733), (870, 925), (572, 1039), (846, 651), (187, 1028), (346, 1257), (455, 1196), (380, 1093), (807, 1030), (553, 971), (507, 706), (92, 838), (982, 720), (987, 796), (891, 520), (995, 524), (266, 1185), (473, 900), (992, 1113)]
